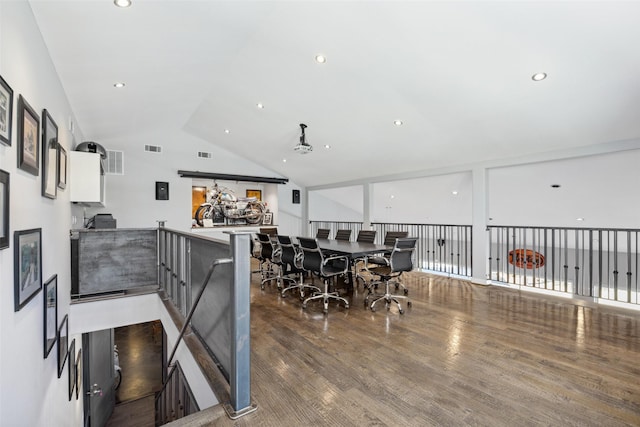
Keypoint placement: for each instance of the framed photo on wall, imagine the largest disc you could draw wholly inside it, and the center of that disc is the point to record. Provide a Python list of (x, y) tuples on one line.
[(62, 167), (72, 368), (63, 342), (267, 219), (50, 314), (49, 156), (28, 137), (6, 111), (78, 373), (4, 209), (27, 268)]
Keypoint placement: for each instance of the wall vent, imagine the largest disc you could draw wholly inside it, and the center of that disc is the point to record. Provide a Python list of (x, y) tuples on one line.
[(115, 163), (153, 148), (204, 155)]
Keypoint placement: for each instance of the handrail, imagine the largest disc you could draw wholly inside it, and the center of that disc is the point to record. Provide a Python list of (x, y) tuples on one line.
[(213, 266)]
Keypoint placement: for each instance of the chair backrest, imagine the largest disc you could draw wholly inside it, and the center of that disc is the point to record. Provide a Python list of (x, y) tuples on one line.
[(402, 255), (271, 231), (366, 236), (344, 235), (266, 245), (322, 233), (391, 236), (289, 251), (313, 257)]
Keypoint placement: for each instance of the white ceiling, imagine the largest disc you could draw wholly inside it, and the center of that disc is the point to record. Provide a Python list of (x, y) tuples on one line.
[(457, 73)]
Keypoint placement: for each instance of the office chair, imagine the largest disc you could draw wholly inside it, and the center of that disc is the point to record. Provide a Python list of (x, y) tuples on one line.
[(292, 262), (322, 233), (364, 236), (400, 260), (343, 235), (270, 231), (382, 260), (315, 261), (270, 261)]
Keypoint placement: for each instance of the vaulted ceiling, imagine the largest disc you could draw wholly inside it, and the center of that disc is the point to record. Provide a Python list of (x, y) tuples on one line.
[(457, 74)]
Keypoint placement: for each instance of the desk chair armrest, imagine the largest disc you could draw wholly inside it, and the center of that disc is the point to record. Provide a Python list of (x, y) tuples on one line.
[(334, 258)]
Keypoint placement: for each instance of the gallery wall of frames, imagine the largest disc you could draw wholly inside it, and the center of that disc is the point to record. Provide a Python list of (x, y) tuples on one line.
[(39, 153)]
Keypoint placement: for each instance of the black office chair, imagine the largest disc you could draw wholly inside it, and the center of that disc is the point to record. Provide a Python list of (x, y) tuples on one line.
[(389, 240), (292, 264), (322, 233), (400, 260), (364, 236), (270, 231), (315, 261), (270, 261), (344, 235)]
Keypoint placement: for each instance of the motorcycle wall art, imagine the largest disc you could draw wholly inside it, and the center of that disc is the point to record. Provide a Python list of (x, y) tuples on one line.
[(224, 207)]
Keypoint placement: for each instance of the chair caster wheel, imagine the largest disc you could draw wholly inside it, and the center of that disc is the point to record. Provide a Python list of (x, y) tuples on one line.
[(406, 291), (373, 309), (304, 306), (401, 311), (408, 303), (346, 306)]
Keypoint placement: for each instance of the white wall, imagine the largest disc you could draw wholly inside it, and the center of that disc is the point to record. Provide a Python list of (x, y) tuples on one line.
[(337, 204), (30, 391), (602, 189)]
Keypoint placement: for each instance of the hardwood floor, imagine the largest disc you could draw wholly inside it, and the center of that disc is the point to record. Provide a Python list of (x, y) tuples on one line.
[(463, 354)]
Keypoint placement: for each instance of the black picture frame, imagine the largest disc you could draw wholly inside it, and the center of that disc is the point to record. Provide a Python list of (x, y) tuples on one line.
[(267, 219), (28, 138), (72, 368), (78, 368), (50, 314), (49, 156), (4, 209), (62, 167), (63, 340), (6, 112), (27, 268)]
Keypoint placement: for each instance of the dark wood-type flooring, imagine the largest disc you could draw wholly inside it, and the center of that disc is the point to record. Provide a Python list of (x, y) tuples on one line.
[(463, 354)]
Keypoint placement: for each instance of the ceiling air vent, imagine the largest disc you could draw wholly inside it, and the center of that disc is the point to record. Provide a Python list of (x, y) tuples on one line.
[(114, 165), (204, 155), (153, 148)]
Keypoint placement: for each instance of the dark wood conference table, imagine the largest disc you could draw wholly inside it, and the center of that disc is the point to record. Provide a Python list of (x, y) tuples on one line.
[(352, 250)]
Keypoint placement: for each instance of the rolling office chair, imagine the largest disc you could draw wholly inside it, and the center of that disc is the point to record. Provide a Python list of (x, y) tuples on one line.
[(400, 260), (270, 261), (292, 262), (322, 233), (364, 236), (343, 235), (315, 261), (389, 240)]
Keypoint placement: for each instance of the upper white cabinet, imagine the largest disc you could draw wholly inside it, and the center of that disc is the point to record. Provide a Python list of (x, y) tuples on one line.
[(86, 178)]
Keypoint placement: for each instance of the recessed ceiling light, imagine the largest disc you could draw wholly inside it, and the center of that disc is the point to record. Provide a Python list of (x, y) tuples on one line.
[(122, 3), (454, 192), (321, 59), (327, 146), (538, 77), (284, 160), (227, 131), (259, 105), (579, 219), (392, 197), (397, 122), (118, 85)]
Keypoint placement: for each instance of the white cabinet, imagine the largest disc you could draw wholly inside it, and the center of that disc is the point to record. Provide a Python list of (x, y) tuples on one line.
[(86, 178)]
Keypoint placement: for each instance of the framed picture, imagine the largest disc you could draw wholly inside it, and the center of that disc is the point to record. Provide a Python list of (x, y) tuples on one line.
[(4, 209), (63, 342), (49, 156), (27, 268), (62, 167), (28, 137), (78, 373), (72, 368), (50, 314), (6, 111), (267, 219), (255, 193)]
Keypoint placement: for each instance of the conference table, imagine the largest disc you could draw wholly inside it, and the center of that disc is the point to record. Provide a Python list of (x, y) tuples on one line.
[(352, 250)]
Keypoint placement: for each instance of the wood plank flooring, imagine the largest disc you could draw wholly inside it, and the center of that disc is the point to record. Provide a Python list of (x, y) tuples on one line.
[(463, 354)]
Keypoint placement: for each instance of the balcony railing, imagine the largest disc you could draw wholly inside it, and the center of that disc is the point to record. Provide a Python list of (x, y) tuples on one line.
[(176, 399), (442, 248), (586, 262)]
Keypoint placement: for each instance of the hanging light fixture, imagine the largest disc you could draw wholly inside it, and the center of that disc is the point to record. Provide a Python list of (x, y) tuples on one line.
[(303, 147)]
